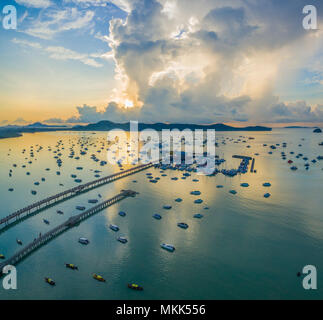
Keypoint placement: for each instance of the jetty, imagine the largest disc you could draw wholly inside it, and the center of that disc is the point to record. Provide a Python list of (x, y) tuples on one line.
[(36, 207), (68, 224), (252, 165), (241, 157)]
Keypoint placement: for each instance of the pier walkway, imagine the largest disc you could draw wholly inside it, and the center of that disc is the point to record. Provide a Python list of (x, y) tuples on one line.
[(30, 210), (70, 223)]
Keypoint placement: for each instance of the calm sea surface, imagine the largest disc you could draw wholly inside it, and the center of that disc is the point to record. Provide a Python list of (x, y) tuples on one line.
[(245, 246)]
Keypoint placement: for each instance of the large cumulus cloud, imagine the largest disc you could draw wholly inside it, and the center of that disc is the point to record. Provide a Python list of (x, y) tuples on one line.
[(206, 61)]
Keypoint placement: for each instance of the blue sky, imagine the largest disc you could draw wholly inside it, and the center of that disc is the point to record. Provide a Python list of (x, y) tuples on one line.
[(161, 60)]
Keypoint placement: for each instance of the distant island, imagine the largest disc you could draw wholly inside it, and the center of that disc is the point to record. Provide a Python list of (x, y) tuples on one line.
[(9, 134), (109, 125), (298, 127), (12, 131)]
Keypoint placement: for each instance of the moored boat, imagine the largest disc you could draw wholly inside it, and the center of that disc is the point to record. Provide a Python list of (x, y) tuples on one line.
[(98, 277), (84, 241), (50, 281), (135, 286), (71, 266), (114, 227), (168, 247)]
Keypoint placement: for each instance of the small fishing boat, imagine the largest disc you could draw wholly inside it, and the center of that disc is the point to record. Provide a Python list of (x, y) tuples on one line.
[(93, 201), (198, 216), (198, 201), (81, 208), (97, 277), (157, 216), (135, 286), (167, 207), (59, 212), (182, 225), (114, 227), (168, 247), (122, 240), (19, 242), (244, 185), (122, 214), (267, 195), (50, 281), (71, 266), (46, 221), (84, 241), (2, 256)]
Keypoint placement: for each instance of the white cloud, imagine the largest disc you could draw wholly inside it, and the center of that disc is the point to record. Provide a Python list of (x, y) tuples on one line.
[(206, 60), (52, 22), (27, 43), (35, 3), (61, 53)]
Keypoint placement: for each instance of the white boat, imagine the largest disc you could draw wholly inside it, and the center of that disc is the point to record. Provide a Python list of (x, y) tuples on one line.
[(114, 227), (84, 241), (168, 247)]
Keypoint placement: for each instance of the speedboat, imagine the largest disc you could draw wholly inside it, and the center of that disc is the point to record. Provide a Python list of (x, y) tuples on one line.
[(114, 227), (182, 225), (50, 281), (71, 266), (122, 240), (168, 247), (97, 277), (135, 286), (84, 241)]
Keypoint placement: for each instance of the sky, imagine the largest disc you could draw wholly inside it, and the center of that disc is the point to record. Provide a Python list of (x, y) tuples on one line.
[(206, 61)]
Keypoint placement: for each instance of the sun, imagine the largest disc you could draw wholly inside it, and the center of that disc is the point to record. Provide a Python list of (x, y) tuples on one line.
[(128, 104)]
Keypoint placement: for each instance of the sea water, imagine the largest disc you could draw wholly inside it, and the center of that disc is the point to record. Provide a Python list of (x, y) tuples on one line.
[(244, 247)]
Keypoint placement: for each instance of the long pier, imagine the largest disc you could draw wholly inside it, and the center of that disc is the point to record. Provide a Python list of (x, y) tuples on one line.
[(68, 224), (23, 213)]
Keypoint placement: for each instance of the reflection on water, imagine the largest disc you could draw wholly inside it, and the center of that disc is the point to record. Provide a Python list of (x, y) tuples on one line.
[(245, 246)]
